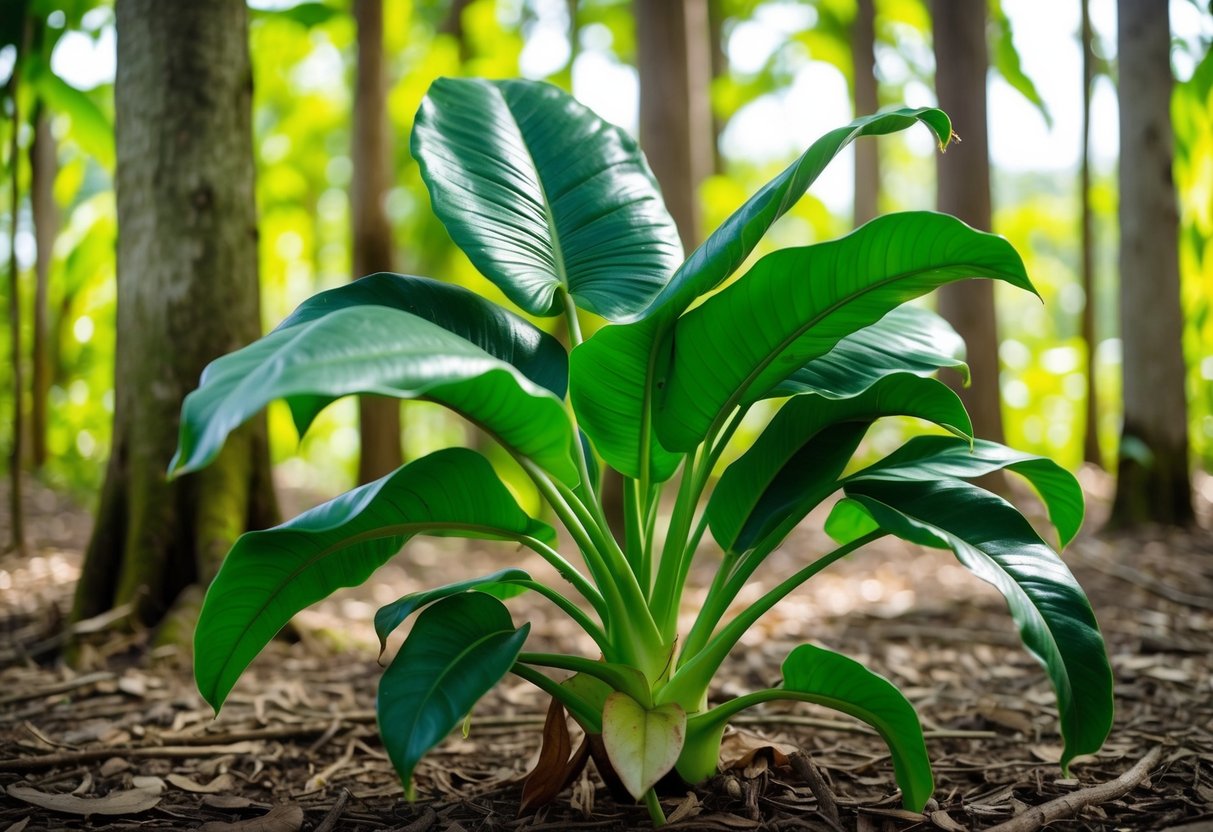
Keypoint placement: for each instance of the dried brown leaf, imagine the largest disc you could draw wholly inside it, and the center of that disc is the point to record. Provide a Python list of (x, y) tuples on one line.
[(129, 802), (222, 783), (945, 822), (286, 818)]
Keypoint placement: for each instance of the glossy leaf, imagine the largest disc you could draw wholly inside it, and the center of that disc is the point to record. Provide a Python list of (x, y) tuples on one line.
[(848, 521), (544, 196), (270, 575), (643, 744), (907, 340), (390, 616), (373, 349), (497, 331), (940, 457), (617, 371), (457, 651), (795, 462), (797, 304), (998, 545)]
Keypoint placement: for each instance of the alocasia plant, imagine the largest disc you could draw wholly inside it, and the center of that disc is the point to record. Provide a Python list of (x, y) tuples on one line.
[(561, 211)]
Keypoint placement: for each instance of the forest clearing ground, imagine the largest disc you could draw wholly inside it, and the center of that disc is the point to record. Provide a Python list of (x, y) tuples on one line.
[(298, 731)]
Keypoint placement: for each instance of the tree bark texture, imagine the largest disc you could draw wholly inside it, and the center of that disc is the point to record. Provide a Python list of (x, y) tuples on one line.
[(1090, 441), (1153, 482), (867, 157), (961, 65), (378, 417), (187, 293), (44, 165), (673, 54)]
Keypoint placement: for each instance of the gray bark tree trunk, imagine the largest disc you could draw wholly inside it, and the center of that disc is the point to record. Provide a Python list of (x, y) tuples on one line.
[(378, 417), (961, 65), (43, 165), (1090, 441), (187, 293), (863, 65), (1153, 484)]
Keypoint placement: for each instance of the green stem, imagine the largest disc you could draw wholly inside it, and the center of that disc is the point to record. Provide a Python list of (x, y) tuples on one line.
[(570, 314), (665, 590), (620, 677), (574, 612), (590, 719), (690, 682), (567, 571), (633, 548), (654, 806)]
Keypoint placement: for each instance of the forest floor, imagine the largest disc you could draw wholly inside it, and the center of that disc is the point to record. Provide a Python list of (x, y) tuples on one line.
[(123, 741)]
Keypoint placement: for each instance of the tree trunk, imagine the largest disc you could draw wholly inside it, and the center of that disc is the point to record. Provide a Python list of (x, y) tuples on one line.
[(674, 60), (378, 417), (187, 293), (44, 165), (863, 64), (720, 68), (17, 527), (1090, 442), (961, 65), (1153, 483)]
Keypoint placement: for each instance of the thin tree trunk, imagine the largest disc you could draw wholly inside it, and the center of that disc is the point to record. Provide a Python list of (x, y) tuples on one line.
[(867, 158), (17, 529), (379, 418), (961, 64), (720, 68), (1090, 443), (1153, 483), (673, 56), (187, 293), (44, 166)]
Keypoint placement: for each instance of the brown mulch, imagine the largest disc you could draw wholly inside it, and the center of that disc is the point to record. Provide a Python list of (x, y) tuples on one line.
[(296, 746)]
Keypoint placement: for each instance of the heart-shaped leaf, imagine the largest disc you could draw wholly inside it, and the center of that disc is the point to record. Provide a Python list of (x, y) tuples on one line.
[(643, 744)]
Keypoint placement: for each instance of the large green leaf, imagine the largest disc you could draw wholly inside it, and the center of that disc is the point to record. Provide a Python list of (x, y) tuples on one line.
[(497, 331), (795, 462), (390, 616), (373, 349), (939, 457), (544, 196), (615, 372), (798, 303), (908, 339), (997, 544), (459, 648), (270, 575)]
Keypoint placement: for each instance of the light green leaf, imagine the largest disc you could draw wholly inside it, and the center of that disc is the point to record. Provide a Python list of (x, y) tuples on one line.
[(848, 521), (373, 349), (270, 575), (616, 372), (497, 331), (795, 462), (457, 651), (998, 545), (544, 196), (797, 304), (940, 457), (908, 339), (642, 744)]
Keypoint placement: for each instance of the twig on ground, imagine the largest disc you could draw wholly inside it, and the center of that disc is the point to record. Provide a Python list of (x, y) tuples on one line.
[(827, 807), (86, 755), (1070, 804), (1149, 583), (52, 690), (329, 823)]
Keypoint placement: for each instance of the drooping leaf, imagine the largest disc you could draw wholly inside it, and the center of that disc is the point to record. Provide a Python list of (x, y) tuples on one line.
[(1004, 58), (908, 339), (939, 457), (556, 765), (543, 195), (795, 462), (379, 350), (998, 545), (497, 331), (457, 651), (643, 743), (270, 575), (390, 616), (615, 372), (797, 304)]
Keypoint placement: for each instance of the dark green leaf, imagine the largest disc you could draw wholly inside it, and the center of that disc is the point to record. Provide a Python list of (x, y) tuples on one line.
[(390, 616), (457, 651), (908, 339), (543, 196), (998, 545), (497, 331), (940, 457), (373, 349), (270, 575), (797, 304)]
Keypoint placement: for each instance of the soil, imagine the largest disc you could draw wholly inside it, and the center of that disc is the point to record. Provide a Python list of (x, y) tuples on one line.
[(296, 747)]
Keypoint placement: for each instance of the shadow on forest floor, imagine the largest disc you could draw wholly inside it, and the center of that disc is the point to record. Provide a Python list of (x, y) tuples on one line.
[(299, 731)]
